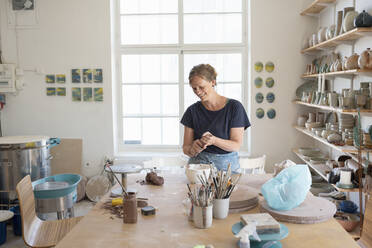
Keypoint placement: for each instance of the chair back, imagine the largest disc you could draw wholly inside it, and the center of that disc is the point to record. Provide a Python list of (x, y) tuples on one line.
[(366, 237), (27, 207), (255, 165)]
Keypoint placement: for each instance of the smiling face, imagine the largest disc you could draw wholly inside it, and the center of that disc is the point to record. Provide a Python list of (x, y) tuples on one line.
[(202, 88)]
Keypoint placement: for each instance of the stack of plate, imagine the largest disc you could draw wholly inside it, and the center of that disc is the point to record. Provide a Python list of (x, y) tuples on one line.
[(243, 199), (345, 122)]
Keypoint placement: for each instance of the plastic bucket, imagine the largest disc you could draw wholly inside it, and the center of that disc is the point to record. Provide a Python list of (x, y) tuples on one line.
[(17, 221), (2, 232)]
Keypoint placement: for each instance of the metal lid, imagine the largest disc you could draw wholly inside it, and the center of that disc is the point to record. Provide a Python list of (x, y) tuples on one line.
[(11, 140)]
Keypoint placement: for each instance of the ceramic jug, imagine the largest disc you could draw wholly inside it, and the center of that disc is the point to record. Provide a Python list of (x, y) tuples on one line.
[(369, 65), (364, 59), (338, 66), (363, 20), (344, 64), (352, 62)]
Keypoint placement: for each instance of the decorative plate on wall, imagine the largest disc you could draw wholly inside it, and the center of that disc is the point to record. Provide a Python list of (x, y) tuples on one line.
[(259, 97), (271, 113), (258, 66), (269, 82), (269, 66), (258, 82), (260, 113), (270, 97)]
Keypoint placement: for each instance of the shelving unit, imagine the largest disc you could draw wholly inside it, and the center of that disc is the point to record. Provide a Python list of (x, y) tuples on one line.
[(351, 35), (339, 73), (338, 110), (316, 7)]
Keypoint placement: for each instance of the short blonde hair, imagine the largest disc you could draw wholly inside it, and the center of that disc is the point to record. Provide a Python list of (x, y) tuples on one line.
[(205, 71)]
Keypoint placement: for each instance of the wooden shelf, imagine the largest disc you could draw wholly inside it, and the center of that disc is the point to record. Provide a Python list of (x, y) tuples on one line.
[(344, 149), (352, 35), (316, 7), (338, 110), (339, 73), (321, 170)]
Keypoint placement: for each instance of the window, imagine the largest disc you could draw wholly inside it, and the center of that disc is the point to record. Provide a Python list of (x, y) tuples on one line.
[(160, 41)]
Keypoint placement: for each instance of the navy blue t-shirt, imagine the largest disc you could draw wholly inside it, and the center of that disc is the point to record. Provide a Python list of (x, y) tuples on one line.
[(217, 122)]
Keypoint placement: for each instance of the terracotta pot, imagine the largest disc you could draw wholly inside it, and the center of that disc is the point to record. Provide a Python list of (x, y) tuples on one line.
[(364, 59), (352, 62)]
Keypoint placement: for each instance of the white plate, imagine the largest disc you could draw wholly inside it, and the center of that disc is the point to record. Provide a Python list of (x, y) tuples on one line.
[(348, 23)]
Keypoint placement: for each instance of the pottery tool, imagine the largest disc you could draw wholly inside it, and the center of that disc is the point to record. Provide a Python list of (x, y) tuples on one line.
[(265, 223), (312, 210), (224, 183), (107, 165), (148, 210), (201, 195)]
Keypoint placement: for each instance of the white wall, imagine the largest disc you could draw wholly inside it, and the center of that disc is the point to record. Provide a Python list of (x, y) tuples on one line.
[(69, 34), (76, 34), (277, 32)]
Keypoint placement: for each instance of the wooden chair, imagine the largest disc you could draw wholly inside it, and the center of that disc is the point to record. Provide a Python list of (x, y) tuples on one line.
[(35, 232), (255, 165), (366, 238)]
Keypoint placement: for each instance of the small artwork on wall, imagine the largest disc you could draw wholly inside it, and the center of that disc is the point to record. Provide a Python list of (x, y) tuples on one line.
[(61, 91), (50, 79), (61, 78), (76, 76), (76, 94), (97, 75), (87, 94), (50, 91), (87, 76), (98, 94)]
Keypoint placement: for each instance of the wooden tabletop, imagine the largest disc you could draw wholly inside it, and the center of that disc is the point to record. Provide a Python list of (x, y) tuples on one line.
[(170, 226)]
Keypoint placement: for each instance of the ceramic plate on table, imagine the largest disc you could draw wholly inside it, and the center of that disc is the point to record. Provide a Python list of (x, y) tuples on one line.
[(264, 237), (259, 97), (344, 186), (270, 97), (348, 23), (258, 82), (258, 66), (269, 82), (306, 87), (260, 113)]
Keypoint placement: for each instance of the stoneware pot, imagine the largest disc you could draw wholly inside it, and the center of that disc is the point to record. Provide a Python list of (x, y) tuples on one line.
[(363, 20), (352, 62), (221, 208), (364, 59), (203, 216)]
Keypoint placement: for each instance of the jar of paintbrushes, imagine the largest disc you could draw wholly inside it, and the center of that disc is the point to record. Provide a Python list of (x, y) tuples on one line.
[(201, 196), (224, 183)]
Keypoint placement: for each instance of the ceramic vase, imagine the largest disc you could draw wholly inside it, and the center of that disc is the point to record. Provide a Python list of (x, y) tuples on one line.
[(363, 20), (221, 208), (369, 65), (364, 59), (352, 62)]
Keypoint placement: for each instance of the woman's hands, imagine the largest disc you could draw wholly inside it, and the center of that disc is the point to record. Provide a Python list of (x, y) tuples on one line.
[(207, 139), (197, 147)]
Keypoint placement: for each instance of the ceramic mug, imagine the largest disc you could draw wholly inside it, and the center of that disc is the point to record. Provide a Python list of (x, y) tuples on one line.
[(202, 216), (301, 120), (221, 208)]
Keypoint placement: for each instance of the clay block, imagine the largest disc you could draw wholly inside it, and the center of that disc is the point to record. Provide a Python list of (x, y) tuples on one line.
[(265, 222)]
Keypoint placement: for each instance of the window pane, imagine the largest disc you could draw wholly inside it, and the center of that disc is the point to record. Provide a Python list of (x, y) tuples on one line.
[(150, 68), (150, 99), (200, 6), (151, 131), (131, 99), (132, 130), (190, 96), (148, 6), (149, 29), (170, 99), (233, 91), (228, 66), (213, 28), (170, 131)]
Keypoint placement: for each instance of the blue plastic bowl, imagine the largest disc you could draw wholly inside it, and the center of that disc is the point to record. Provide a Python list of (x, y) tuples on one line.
[(17, 221), (71, 179), (348, 207)]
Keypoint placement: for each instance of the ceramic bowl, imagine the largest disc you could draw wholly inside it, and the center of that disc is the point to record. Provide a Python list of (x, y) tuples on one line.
[(317, 188), (318, 160), (308, 151), (195, 170), (348, 221), (310, 125)]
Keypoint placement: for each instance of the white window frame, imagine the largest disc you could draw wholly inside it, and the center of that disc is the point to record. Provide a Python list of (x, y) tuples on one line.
[(179, 49)]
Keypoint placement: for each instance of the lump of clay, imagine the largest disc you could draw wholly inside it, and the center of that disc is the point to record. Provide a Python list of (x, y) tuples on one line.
[(154, 179)]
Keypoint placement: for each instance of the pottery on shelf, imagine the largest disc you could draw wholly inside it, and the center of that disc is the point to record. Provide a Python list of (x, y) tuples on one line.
[(352, 62), (348, 22), (322, 35), (364, 59), (363, 20)]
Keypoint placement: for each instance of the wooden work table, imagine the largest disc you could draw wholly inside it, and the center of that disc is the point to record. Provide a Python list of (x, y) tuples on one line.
[(170, 226)]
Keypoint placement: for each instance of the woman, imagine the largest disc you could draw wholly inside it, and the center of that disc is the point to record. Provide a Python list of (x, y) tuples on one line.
[(214, 126)]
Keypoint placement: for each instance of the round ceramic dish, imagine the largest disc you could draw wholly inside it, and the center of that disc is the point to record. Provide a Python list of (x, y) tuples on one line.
[(318, 160), (308, 151)]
